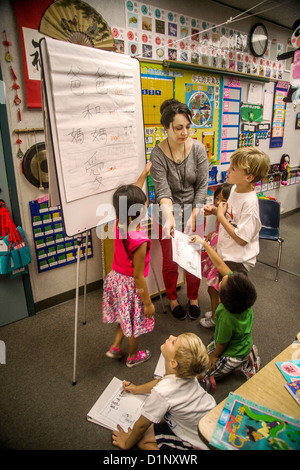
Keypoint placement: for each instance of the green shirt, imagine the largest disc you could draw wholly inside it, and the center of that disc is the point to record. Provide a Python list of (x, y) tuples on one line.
[(234, 329)]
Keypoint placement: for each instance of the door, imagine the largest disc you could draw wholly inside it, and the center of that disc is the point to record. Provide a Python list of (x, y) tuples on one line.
[(15, 294)]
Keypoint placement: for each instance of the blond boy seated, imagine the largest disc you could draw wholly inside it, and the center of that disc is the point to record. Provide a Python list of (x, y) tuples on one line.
[(171, 413)]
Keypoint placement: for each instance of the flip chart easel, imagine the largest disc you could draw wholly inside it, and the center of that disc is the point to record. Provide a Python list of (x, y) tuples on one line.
[(92, 107)]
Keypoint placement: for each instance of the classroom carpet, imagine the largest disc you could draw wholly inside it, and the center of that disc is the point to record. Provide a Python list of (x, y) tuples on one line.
[(41, 409)]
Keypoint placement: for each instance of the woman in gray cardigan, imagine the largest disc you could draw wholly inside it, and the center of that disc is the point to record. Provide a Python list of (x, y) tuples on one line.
[(180, 176)]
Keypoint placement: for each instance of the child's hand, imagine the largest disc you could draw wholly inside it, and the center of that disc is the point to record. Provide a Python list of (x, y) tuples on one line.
[(120, 437), (209, 209), (196, 239), (149, 310), (147, 167), (209, 236), (129, 387), (222, 208), (212, 362)]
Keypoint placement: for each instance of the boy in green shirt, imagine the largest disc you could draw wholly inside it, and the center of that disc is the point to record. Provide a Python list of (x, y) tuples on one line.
[(232, 347)]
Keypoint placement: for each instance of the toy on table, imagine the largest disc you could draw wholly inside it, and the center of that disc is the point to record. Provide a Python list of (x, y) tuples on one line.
[(285, 168)]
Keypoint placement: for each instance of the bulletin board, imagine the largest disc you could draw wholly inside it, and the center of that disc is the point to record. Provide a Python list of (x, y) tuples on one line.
[(93, 107), (201, 92), (228, 113)]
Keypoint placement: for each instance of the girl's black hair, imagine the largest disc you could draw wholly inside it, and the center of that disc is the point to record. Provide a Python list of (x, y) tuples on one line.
[(132, 202), (168, 110), (238, 294), (128, 201), (225, 188)]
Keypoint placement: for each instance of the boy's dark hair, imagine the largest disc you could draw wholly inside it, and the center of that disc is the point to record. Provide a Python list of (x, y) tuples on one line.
[(238, 294), (171, 107), (135, 200), (225, 188)]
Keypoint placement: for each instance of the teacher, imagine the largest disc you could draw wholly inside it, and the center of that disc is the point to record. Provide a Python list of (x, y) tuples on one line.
[(179, 173)]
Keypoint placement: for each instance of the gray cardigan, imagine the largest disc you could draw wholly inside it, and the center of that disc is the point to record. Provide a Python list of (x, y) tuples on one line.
[(186, 184)]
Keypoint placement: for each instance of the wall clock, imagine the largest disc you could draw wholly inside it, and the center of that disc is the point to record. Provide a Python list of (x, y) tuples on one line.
[(258, 40)]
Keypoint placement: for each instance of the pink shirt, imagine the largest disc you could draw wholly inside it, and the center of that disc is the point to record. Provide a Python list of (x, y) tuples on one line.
[(121, 262)]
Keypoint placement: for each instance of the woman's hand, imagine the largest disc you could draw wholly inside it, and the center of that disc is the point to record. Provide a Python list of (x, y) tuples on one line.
[(190, 226), (169, 227)]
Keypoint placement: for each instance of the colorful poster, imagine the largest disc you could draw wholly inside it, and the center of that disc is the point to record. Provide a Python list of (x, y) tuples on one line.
[(251, 112), (200, 100)]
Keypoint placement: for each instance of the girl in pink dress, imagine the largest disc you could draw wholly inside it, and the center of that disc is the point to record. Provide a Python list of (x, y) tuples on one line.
[(208, 269), (126, 299)]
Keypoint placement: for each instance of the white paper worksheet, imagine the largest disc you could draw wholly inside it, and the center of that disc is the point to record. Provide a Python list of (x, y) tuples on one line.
[(115, 406), (185, 254)]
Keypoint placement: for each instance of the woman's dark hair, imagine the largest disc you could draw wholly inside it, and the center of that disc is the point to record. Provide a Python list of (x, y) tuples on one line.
[(168, 110), (238, 294), (225, 188), (128, 201)]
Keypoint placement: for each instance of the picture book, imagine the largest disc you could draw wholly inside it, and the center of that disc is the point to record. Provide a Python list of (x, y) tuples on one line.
[(245, 425), (290, 369), (294, 389), (115, 406)]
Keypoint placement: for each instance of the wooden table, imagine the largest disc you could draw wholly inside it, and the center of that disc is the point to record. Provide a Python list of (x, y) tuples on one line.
[(265, 388)]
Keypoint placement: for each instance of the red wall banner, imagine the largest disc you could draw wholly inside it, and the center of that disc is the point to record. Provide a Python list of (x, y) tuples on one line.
[(29, 15)]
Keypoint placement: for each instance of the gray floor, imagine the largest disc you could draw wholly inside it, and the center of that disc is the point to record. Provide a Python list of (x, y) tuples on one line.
[(41, 409)]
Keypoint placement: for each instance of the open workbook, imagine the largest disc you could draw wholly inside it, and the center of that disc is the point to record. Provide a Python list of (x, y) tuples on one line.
[(115, 406)]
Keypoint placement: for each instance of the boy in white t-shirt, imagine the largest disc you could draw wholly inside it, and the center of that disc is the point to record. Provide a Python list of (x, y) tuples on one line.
[(238, 242), (171, 413)]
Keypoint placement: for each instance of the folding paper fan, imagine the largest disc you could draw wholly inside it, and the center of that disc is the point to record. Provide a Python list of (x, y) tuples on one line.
[(77, 22)]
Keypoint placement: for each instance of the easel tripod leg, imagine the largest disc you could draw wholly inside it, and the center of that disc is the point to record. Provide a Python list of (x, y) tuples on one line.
[(76, 312), (84, 295)]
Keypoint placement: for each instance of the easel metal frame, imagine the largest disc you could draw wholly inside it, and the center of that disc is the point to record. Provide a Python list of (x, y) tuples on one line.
[(79, 244)]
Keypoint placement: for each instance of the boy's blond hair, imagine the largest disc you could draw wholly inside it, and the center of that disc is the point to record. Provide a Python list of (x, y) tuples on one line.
[(191, 356), (253, 161)]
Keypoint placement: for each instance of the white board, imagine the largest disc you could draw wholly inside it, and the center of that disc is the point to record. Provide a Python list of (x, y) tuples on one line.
[(93, 105)]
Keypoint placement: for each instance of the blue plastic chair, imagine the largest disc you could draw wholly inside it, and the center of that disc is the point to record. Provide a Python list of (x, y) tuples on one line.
[(269, 211)]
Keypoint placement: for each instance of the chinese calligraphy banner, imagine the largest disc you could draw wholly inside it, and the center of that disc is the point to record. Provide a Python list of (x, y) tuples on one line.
[(29, 15)]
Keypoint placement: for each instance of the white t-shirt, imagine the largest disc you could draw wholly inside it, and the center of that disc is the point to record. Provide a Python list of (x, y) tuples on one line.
[(182, 402), (243, 213)]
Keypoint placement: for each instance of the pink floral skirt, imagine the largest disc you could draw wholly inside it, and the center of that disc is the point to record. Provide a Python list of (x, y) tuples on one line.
[(122, 304), (210, 272)]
